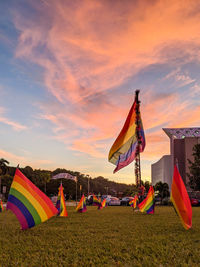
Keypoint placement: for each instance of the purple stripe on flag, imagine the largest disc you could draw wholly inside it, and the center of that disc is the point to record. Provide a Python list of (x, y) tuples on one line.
[(126, 158), (19, 215)]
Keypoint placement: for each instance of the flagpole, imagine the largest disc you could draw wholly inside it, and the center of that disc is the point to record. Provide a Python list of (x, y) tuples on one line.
[(137, 158)]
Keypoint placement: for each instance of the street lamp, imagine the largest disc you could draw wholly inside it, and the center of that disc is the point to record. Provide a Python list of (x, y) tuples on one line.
[(88, 183), (106, 187)]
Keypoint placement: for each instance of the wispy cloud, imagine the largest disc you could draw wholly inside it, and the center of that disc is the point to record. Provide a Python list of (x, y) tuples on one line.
[(90, 49), (15, 125)]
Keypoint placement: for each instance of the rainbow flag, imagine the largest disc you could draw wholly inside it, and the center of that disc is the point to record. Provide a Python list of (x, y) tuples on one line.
[(1, 206), (103, 203), (147, 205), (81, 207), (133, 202), (30, 205), (60, 204), (180, 199), (123, 151), (96, 201)]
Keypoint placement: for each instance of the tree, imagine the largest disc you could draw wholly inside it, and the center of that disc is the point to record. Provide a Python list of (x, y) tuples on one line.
[(163, 189), (3, 169), (194, 169)]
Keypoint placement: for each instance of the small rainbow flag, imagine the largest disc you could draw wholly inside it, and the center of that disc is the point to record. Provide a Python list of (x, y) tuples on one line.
[(96, 201), (103, 203), (133, 202), (60, 204), (82, 205), (147, 205), (30, 205), (180, 199), (1, 206)]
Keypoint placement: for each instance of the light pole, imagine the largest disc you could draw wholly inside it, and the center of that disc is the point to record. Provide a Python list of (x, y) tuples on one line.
[(106, 187), (88, 183)]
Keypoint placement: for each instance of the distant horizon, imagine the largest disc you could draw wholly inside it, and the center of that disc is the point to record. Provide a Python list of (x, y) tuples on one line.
[(68, 75)]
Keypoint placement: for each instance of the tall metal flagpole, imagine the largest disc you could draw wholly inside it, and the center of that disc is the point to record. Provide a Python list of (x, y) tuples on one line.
[(138, 125)]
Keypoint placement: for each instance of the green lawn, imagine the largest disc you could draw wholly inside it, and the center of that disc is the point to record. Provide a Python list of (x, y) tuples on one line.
[(114, 236)]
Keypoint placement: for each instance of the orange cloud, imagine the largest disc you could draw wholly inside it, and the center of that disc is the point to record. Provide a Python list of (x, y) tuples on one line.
[(16, 126), (89, 48)]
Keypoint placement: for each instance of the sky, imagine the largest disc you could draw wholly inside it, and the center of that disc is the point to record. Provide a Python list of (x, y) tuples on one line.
[(69, 70)]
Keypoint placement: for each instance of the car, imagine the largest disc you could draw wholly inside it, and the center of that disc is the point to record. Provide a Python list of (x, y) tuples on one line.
[(194, 198), (113, 201), (125, 201), (194, 202), (89, 199)]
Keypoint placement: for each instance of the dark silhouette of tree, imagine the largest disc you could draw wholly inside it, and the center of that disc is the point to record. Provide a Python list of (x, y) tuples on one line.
[(194, 168), (163, 189), (3, 169)]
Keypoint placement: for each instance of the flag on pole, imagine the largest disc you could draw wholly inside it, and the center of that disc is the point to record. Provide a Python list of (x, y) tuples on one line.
[(30, 205), (96, 201), (60, 204), (147, 205), (81, 207), (180, 199), (103, 203), (124, 149), (1, 206), (133, 202)]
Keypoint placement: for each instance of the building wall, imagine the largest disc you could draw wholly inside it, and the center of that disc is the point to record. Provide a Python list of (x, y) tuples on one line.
[(179, 157), (161, 171), (190, 142)]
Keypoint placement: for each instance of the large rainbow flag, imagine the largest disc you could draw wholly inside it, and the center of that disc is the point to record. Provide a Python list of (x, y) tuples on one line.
[(147, 205), (123, 151), (1, 206), (30, 205), (60, 204), (81, 207), (180, 199)]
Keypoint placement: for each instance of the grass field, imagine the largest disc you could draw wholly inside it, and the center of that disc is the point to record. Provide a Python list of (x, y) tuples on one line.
[(114, 236)]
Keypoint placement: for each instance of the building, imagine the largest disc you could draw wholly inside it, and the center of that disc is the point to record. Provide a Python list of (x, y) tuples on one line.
[(182, 141), (161, 170)]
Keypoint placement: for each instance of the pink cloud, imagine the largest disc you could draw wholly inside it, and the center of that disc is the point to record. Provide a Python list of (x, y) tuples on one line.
[(15, 125), (90, 47)]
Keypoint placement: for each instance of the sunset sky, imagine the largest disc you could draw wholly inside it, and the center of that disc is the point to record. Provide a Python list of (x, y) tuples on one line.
[(69, 69)]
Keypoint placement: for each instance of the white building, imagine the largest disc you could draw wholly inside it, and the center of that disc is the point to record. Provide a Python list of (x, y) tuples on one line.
[(161, 171)]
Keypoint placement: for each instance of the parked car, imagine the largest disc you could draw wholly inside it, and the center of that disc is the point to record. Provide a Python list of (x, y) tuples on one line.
[(113, 201), (125, 201), (194, 198), (89, 199), (194, 202)]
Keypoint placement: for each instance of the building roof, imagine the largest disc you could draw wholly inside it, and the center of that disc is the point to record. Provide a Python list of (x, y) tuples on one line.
[(181, 133)]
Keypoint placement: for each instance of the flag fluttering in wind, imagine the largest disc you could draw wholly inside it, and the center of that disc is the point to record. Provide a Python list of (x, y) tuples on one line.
[(147, 205), (103, 203), (81, 207), (60, 204), (133, 202), (124, 149), (180, 199), (96, 201), (1, 206), (30, 205)]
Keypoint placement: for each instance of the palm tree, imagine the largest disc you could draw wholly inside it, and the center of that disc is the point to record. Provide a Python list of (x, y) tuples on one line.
[(3, 169), (163, 189)]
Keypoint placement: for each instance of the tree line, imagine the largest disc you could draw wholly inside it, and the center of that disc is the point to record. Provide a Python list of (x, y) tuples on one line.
[(97, 185)]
